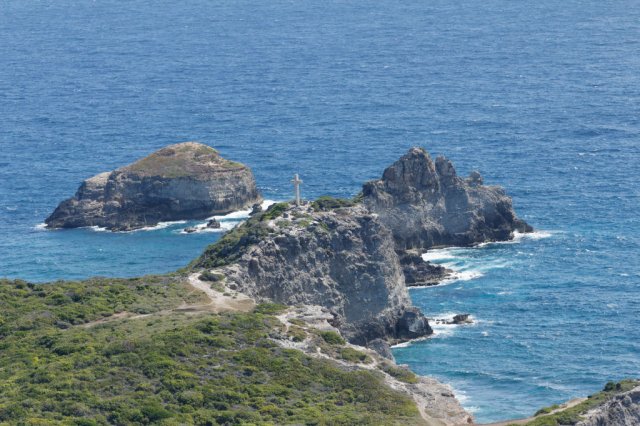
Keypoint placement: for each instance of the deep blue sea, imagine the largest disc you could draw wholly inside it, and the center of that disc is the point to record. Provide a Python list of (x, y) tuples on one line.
[(542, 97)]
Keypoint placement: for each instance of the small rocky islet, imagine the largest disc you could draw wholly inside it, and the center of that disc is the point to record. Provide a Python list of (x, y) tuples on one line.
[(330, 279), (184, 181)]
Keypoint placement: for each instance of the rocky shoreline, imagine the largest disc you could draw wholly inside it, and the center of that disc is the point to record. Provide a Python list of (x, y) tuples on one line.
[(351, 259)]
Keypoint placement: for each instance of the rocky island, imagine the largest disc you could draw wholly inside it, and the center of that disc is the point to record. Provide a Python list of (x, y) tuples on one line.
[(179, 182)]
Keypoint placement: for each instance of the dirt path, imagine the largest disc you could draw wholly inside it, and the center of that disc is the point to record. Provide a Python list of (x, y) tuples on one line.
[(564, 406), (225, 301)]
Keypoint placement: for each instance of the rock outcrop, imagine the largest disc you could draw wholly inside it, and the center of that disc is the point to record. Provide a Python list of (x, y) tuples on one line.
[(182, 181), (425, 204), (353, 256), (417, 272), (343, 259), (621, 410)]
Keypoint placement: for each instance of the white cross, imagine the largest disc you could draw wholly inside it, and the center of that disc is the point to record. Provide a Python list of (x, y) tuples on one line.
[(296, 183)]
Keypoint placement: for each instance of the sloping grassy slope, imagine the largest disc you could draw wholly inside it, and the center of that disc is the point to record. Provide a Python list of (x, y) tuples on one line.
[(168, 367)]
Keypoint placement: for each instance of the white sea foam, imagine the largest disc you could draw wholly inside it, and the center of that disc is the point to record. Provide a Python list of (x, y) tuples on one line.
[(227, 221), (40, 227), (468, 263), (159, 225), (408, 343)]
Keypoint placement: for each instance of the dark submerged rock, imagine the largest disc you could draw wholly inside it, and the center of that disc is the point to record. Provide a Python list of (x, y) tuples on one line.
[(182, 181)]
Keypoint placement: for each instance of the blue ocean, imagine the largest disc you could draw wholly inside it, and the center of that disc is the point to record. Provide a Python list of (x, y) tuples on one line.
[(540, 97)]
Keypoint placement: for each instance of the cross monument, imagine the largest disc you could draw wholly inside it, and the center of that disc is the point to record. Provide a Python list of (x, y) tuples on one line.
[(296, 183)]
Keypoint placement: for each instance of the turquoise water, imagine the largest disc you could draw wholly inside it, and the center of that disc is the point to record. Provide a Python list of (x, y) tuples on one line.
[(542, 98)]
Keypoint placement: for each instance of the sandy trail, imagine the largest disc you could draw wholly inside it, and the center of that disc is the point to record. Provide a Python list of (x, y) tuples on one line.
[(225, 301)]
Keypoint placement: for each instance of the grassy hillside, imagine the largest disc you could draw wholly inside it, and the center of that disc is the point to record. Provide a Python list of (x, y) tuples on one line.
[(64, 359)]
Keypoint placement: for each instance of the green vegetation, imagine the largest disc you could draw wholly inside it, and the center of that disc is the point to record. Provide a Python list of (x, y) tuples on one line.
[(355, 356), (274, 211), (326, 203), (573, 415), (233, 245), (180, 160), (211, 276), (168, 368), (402, 374), (332, 338), (296, 334), (270, 308), (546, 410)]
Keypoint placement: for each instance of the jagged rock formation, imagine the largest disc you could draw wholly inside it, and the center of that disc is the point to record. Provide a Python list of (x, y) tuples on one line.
[(621, 410), (182, 181), (352, 257), (343, 259), (417, 272), (425, 204)]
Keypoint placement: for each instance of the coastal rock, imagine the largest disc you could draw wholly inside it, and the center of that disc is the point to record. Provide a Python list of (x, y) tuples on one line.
[(417, 272), (425, 204), (182, 181), (213, 224), (621, 410), (461, 319), (342, 259), (256, 208)]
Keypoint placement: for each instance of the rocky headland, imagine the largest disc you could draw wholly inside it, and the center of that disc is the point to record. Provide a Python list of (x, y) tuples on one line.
[(179, 182), (356, 257)]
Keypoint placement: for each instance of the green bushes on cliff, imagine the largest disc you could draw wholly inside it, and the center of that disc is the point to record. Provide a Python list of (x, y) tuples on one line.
[(326, 203), (59, 366), (571, 416)]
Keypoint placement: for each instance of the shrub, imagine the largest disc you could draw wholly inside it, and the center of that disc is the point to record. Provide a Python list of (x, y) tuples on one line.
[(332, 338), (326, 203), (274, 211), (270, 308), (353, 355), (211, 276), (402, 374)]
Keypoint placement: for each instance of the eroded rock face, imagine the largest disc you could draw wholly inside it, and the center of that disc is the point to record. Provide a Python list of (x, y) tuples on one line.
[(425, 204), (417, 272), (182, 181), (343, 260), (621, 410)]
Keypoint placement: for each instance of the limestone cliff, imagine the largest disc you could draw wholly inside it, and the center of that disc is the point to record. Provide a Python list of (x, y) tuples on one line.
[(425, 204), (343, 259), (182, 181)]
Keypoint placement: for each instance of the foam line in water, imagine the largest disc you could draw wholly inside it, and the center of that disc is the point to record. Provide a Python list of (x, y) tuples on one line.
[(227, 221)]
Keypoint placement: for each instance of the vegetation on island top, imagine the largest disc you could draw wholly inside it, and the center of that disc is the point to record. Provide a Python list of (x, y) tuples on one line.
[(326, 202), (182, 160), (66, 360), (573, 415)]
